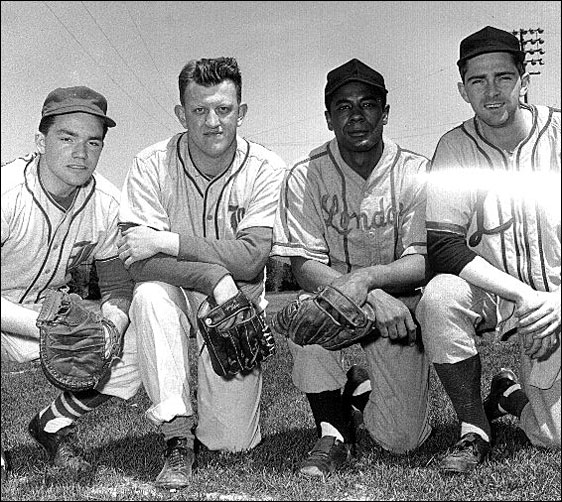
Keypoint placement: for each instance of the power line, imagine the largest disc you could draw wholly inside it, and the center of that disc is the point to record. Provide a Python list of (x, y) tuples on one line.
[(110, 77), (289, 124), (158, 71), (127, 64)]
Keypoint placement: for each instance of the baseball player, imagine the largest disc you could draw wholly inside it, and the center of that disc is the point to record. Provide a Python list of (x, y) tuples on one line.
[(197, 212), (493, 226), (58, 216), (352, 215)]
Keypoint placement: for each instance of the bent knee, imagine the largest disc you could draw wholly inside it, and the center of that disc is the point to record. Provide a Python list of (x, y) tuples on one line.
[(545, 439), (147, 291), (441, 291), (398, 443), (154, 295)]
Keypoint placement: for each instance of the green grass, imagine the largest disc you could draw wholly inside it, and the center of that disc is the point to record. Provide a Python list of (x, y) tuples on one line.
[(126, 451)]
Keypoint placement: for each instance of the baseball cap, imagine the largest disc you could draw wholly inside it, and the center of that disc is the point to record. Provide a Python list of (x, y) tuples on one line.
[(350, 71), (65, 100), (489, 39)]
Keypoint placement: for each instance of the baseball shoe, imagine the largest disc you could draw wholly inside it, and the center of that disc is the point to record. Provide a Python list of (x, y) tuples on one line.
[(179, 460), (60, 446), (327, 455), (500, 383), (470, 451)]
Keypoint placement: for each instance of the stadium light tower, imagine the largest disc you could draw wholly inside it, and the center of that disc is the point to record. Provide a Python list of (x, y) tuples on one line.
[(531, 44)]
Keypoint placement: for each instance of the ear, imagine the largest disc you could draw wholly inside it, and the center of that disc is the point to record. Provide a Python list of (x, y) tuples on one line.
[(242, 110), (462, 92), (385, 114), (328, 120), (40, 142), (180, 114), (525, 80)]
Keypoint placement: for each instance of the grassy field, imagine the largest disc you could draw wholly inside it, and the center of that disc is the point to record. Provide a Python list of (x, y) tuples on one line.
[(126, 450)]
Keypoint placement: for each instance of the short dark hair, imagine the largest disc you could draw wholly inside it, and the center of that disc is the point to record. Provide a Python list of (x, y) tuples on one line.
[(516, 61), (46, 123), (209, 72)]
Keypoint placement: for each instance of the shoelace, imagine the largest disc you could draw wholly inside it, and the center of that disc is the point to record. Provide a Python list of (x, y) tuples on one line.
[(177, 458), (467, 444)]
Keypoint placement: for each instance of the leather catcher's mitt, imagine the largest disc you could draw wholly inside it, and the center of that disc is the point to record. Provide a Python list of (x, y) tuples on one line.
[(77, 345), (328, 318), (236, 335)]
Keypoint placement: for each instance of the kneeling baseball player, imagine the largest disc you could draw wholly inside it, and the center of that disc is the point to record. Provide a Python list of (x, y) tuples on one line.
[(351, 220), (58, 216), (197, 213), (493, 231)]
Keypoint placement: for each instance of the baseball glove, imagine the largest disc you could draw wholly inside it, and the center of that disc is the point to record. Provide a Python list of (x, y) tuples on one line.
[(77, 345), (236, 335), (328, 318)]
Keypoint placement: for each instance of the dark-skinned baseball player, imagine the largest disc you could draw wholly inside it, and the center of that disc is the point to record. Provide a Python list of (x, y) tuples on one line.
[(351, 214)]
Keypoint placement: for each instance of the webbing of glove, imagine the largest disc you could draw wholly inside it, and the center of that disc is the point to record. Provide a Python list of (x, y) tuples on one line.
[(236, 335), (342, 309), (328, 318), (77, 345)]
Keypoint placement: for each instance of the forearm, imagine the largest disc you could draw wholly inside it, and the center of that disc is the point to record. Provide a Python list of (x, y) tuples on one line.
[(401, 276), (18, 319), (114, 281), (202, 277), (244, 257), (481, 273), (311, 274)]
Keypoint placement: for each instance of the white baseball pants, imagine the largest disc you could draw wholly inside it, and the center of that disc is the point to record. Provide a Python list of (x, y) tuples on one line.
[(451, 313), (162, 318)]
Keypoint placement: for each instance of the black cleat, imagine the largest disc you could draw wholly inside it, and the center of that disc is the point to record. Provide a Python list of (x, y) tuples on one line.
[(327, 455), (470, 451), (500, 383), (178, 465), (60, 446)]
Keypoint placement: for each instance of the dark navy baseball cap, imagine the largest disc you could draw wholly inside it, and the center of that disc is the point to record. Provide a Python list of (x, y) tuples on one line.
[(489, 39), (353, 70), (65, 100)]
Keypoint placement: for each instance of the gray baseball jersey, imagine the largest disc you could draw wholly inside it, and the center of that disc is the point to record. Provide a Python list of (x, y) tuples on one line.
[(327, 212)]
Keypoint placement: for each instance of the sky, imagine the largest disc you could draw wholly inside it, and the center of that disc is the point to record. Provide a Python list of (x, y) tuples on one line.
[(132, 52)]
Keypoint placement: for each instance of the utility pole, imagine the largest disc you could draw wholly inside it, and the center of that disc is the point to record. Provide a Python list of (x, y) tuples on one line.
[(531, 45)]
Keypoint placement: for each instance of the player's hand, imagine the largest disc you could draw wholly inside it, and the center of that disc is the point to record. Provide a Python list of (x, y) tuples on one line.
[(538, 322), (138, 243), (225, 290), (354, 285), (393, 319)]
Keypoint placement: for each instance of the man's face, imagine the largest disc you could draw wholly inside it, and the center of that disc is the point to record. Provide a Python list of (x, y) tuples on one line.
[(211, 116), (357, 117), (493, 87), (70, 151)]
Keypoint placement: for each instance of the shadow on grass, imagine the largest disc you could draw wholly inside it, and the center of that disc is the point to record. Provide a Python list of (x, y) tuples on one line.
[(140, 457)]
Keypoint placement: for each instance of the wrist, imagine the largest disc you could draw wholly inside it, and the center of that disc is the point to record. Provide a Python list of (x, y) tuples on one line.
[(225, 290), (521, 293), (169, 243), (374, 276)]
